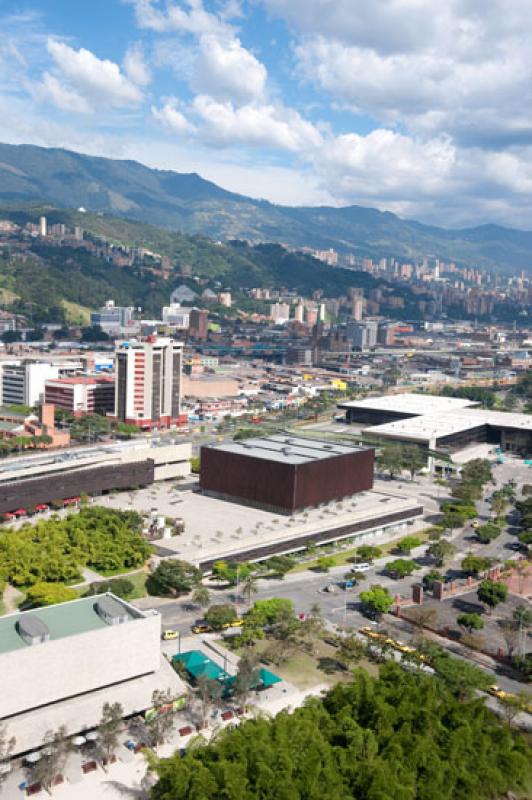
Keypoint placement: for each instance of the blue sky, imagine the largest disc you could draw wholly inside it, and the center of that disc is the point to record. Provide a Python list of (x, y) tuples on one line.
[(415, 106)]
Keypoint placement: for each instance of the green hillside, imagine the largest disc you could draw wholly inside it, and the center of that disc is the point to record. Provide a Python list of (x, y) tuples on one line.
[(188, 203), (63, 283)]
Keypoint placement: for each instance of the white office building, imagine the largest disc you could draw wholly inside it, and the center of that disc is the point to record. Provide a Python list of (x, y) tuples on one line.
[(148, 382)]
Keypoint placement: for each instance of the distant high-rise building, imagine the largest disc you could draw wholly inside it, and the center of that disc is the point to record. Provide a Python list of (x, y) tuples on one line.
[(312, 315), (362, 334), (321, 312), (357, 308), (111, 318), (330, 256), (43, 228), (224, 298), (280, 312), (299, 312), (176, 316), (198, 326), (148, 382)]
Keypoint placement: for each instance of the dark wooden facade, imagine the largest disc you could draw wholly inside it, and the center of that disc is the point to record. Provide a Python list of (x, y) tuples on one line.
[(28, 492), (282, 486)]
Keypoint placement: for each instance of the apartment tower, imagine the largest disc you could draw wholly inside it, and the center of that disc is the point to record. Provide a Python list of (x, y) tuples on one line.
[(148, 382)]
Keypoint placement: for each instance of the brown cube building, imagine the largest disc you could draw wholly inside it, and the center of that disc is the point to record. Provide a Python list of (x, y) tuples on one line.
[(285, 473)]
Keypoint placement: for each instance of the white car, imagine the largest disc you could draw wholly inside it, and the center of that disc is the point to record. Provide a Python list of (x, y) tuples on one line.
[(361, 567)]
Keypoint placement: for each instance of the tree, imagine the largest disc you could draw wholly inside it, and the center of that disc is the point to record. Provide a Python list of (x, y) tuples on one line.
[(90, 428), (452, 520), (48, 594), (209, 693), (324, 563), (391, 459), (467, 493), (250, 587), (428, 580), (510, 631), (53, 757), (491, 593), (351, 651), (278, 566), (247, 677), (195, 467), (474, 565), (470, 622), (7, 745), (461, 677), (201, 596), (401, 736), (173, 577), (414, 459), (499, 503), (109, 729), (513, 704), (220, 615), (401, 567), (488, 532), (407, 544), (161, 724), (232, 571), (368, 552), (376, 601), (441, 551), (477, 471), (310, 630)]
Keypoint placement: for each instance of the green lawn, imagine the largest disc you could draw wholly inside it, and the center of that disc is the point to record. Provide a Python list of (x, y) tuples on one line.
[(304, 670)]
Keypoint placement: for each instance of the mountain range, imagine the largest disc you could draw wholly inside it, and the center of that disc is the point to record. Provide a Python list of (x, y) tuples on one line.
[(187, 203)]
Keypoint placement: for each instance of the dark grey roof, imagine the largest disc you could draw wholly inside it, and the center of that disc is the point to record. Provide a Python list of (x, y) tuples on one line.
[(109, 608), (31, 627)]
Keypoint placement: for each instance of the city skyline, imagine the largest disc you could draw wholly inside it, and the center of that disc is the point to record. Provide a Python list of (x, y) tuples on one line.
[(408, 107)]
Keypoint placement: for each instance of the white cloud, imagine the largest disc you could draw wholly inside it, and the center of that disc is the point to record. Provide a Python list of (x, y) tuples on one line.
[(189, 17), (171, 118), (52, 90), (384, 164), (256, 125), (99, 82), (226, 70), (135, 65)]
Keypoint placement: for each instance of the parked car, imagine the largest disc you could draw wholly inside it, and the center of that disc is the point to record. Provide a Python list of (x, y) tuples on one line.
[(169, 635)]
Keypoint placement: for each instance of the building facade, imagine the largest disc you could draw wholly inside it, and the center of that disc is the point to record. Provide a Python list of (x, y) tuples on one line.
[(82, 394), (285, 473), (148, 382)]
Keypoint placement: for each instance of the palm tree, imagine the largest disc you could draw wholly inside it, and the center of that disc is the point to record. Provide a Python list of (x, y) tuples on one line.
[(250, 587)]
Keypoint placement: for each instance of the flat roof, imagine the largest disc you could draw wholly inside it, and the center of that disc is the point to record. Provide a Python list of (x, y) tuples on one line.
[(63, 619), (76, 456), (410, 403), (287, 448), (86, 380), (436, 426)]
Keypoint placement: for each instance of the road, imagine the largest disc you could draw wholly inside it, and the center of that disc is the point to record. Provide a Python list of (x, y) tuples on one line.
[(340, 608)]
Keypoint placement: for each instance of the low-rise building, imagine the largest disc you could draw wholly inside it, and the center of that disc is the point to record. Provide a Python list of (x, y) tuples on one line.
[(82, 394), (59, 664)]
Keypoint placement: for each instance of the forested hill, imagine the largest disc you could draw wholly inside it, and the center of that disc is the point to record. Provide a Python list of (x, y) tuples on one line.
[(188, 203), (74, 276)]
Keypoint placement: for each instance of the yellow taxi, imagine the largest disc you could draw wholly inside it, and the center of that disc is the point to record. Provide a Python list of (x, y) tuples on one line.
[(169, 635)]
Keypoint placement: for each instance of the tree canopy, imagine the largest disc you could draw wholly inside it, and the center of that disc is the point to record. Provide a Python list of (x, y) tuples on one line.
[(54, 550), (402, 736)]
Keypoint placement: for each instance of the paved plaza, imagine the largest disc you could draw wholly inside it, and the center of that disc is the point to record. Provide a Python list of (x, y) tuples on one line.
[(218, 528)]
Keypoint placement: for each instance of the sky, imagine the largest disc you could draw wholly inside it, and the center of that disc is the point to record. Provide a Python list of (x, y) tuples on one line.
[(420, 107)]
